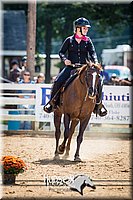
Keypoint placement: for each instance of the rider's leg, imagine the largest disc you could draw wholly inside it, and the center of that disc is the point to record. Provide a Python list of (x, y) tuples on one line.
[(100, 108), (60, 80)]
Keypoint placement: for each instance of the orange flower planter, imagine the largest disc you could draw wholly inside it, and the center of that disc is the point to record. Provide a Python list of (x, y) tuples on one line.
[(11, 167), (8, 179)]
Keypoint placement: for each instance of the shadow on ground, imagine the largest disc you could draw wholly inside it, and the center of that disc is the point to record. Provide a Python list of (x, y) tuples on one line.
[(56, 162)]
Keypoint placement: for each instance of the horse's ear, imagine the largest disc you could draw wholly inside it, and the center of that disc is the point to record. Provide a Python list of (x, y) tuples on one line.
[(89, 62), (100, 67)]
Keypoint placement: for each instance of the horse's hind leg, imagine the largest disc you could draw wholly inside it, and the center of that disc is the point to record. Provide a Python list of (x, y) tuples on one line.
[(61, 148), (57, 123), (72, 129), (83, 124)]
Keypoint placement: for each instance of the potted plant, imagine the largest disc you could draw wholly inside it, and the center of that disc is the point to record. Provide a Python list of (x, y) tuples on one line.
[(11, 167)]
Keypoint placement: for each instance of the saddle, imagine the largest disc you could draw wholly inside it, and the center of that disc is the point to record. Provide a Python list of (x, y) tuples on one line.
[(74, 74), (69, 81)]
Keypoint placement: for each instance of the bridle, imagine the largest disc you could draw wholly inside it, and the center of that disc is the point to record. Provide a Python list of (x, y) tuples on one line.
[(92, 89)]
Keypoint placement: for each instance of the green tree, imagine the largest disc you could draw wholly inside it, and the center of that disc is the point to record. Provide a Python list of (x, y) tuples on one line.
[(55, 21)]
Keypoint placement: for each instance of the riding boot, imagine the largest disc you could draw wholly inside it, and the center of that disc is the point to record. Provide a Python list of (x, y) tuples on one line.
[(99, 107), (51, 105)]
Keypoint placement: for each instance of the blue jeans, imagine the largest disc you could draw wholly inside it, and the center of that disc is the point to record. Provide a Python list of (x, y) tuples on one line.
[(61, 79), (26, 125)]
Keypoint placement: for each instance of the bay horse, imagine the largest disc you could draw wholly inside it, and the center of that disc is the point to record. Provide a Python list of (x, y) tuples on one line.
[(77, 103)]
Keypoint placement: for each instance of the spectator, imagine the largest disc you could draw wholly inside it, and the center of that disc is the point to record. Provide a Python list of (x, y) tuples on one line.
[(105, 76), (14, 76), (40, 78), (114, 80), (117, 81), (26, 125), (15, 72), (24, 65), (126, 81)]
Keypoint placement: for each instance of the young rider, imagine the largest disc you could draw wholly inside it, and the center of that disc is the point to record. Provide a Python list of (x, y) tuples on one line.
[(76, 49)]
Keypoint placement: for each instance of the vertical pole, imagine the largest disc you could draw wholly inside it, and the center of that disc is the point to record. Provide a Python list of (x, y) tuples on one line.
[(31, 36), (48, 49)]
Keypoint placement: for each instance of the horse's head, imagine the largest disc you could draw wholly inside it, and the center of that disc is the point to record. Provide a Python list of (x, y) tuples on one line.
[(92, 79)]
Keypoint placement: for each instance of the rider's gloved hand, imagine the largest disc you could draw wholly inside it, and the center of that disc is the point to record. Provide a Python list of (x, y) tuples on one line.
[(67, 62)]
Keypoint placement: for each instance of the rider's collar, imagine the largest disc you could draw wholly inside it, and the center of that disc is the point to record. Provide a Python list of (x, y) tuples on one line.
[(84, 38)]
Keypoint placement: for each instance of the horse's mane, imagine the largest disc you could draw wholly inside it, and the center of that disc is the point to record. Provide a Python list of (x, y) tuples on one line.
[(84, 67)]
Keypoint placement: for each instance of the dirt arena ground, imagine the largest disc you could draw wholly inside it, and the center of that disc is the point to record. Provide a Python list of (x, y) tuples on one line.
[(105, 160)]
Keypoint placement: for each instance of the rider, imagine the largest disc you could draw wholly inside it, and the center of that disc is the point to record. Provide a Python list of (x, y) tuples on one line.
[(76, 49)]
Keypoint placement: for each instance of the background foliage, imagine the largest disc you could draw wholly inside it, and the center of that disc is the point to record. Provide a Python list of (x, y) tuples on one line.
[(111, 25)]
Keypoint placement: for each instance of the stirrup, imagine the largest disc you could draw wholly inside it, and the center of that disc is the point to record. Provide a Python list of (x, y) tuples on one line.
[(100, 110), (104, 112)]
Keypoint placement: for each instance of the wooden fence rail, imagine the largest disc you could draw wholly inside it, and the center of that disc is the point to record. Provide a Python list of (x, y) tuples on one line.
[(12, 97)]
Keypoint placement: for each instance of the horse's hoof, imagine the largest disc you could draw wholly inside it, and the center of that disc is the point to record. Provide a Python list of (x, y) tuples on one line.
[(61, 150), (56, 157), (65, 156), (77, 159)]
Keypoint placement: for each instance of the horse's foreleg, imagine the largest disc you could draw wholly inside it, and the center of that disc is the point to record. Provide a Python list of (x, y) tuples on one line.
[(57, 123), (72, 129), (66, 133), (83, 124)]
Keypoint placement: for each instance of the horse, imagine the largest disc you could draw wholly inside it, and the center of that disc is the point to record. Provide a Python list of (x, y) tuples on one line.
[(77, 103)]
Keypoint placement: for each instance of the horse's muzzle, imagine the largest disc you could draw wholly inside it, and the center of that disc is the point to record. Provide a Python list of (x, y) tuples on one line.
[(92, 97)]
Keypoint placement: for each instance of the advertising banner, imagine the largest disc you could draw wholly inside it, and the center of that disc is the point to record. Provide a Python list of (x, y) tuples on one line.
[(117, 100)]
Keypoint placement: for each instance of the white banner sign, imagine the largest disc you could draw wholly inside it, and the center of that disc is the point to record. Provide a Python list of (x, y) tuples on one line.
[(117, 100)]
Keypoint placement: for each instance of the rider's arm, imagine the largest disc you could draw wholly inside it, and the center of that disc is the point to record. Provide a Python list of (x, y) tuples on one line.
[(92, 52), (64, 49)]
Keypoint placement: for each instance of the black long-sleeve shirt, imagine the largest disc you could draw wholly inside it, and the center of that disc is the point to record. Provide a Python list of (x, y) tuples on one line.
[(77, 52)]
